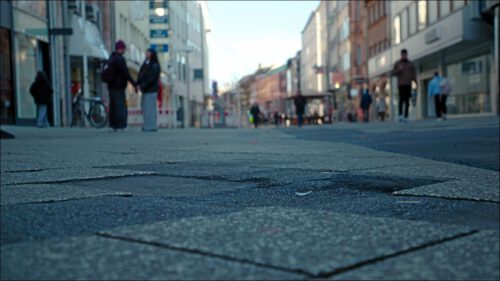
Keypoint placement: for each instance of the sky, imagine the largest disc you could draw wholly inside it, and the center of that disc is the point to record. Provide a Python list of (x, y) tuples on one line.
[(246, 33)]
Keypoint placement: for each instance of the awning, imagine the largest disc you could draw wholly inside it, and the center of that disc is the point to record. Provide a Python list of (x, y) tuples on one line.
[(92, 40)]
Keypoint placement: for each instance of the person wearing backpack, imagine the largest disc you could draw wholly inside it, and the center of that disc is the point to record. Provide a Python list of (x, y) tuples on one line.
[(148, 78), (117, 76), (41, 91)]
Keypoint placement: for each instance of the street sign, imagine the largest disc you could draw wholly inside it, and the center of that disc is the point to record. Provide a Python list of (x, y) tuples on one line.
[(155, 19), (158, 33), (160, 48), (61, 31)]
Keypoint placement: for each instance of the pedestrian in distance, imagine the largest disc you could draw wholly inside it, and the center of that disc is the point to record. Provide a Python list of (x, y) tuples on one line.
[(381, 108), (149, 75), (439, 89), (276, 119), (300, 106), (41, 91), (365, 103), (255, 111), (117, 76), (406, 73)]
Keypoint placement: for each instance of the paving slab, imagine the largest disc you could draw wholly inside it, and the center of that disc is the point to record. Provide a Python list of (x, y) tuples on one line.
[(97, 258), (164, 186), (64, 175), (473, 257), (308, 240), (45, 193), (458, 189)]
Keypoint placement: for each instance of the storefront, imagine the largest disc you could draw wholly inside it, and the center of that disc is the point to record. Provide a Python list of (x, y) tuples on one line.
[(7, 102), (31, 51), (467, 66)]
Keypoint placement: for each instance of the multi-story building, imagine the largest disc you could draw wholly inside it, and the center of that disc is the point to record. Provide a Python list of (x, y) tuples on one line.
[(379, 36), (452, 38), (271, 91), (358, 48), (313, 61), (188, 58)]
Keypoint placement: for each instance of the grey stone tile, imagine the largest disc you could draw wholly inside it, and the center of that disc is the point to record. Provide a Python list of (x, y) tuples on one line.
[(459, 189), (39, 193), (308, 240), (62, 175), (97, 258), (473, 257)]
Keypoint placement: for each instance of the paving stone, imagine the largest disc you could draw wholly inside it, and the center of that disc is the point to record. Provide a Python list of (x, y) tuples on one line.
[(97, 258), (40, 193), (62, 175), (459, 189), (473, 257), (308, 240), (164, 186)]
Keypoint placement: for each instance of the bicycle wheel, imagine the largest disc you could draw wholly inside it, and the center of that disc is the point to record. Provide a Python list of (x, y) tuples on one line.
[(98, 115)]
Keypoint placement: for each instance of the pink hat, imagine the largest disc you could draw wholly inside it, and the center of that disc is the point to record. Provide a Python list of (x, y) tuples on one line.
[(120, 45)]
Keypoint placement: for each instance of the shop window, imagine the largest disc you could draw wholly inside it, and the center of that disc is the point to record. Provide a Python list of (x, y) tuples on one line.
[(470, 83), (457, 4), (432, 8), (397, 30), (26, 66), (444, 8), (422, 14), (412, 17), (404, 24), (6, 93)]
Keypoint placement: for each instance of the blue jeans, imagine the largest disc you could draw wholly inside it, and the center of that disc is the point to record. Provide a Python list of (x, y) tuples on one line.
[(300, 118), (42, 120)]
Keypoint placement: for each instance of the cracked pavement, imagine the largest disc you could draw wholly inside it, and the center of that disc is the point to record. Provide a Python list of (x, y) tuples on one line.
[(338, 202)]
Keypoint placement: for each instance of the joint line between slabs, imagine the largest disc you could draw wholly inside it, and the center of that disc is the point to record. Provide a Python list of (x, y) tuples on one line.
[(388, 256), (207, 254)]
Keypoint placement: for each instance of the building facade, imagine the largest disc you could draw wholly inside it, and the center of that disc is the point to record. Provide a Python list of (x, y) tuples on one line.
[(452, 38)]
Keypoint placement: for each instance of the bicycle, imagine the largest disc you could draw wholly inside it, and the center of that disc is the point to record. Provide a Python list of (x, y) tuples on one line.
[(97, 115)]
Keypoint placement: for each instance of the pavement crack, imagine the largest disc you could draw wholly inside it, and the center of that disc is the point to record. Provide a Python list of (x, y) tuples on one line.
[(207, 254), (74, 199), (82, 179), (393, 255)]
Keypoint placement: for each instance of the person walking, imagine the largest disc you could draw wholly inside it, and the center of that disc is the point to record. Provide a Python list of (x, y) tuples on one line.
[(255, 111), (149, 75), (117, 76), (366, 102), (300, 106), (276, 119), (381, 108), (406, 73), (436, 90), (41, 91)]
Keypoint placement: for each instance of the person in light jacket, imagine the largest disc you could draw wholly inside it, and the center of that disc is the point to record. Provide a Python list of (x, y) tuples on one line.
[(434, 91), (148, 78)]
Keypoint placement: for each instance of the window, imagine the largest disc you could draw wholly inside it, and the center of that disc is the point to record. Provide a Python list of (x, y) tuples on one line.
[(384, 8), (397, 30), (380, 47), (346, 61), (457, 4), (432, 8), (444, 8), (404, 24), (356, 13), (379, 10), (358, 55), (412, 17), (422, 14), (345, 30), (372, 16)]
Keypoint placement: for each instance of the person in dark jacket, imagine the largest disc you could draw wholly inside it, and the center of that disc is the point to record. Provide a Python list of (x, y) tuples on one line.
[(149, 76), (366, 102), (255, 111), (300, 106), (42, 94), (118, 111), (406, 73)]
